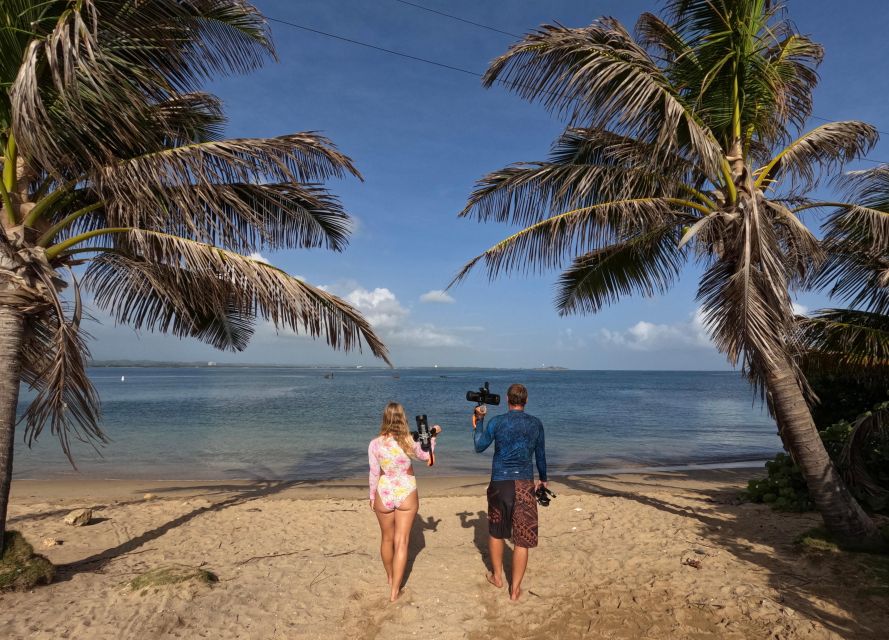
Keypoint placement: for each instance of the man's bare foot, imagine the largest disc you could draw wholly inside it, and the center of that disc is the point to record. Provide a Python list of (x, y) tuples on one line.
[(515, 595), (497, 581)]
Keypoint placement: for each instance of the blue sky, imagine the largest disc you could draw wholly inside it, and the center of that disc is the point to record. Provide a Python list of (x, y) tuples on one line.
[(421, 136)]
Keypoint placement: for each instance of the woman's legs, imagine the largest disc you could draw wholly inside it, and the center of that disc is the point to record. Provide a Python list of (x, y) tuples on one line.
[(404, 520), (387, 535)]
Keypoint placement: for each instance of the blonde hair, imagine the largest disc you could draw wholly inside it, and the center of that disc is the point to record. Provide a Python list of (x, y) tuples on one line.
[(395, 425)]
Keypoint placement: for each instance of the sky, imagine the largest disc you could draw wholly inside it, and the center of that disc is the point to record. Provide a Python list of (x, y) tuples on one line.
[(421, 136)]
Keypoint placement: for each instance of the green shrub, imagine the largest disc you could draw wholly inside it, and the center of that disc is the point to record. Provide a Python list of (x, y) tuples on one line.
[(20, 568), (171, 574), (784, 487), (842, 398)]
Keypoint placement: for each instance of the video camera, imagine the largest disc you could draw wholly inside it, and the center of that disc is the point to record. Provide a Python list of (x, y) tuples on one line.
[(423, 434), (483, 396), (544, 496)]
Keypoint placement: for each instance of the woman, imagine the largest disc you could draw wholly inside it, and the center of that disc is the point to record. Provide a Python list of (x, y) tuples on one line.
[(393, 495)]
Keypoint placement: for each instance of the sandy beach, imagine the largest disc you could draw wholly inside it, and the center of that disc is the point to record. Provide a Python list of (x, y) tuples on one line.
[(665, 555)]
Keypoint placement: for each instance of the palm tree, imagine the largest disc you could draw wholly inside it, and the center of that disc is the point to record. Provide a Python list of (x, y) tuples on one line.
[(116, 182), (682, 143)]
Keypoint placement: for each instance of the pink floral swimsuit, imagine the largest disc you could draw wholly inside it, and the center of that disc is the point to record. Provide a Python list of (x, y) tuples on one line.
[(395, 484)]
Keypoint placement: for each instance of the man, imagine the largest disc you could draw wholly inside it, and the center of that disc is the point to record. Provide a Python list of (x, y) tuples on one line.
[(512, 505)]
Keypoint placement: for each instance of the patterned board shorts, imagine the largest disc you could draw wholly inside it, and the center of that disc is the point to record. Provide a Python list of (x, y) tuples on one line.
[(512, 511)]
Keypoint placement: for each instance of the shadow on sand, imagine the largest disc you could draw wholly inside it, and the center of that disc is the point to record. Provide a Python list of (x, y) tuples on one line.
[(479, 526), (417, 542), (733, 527), (231, 494)]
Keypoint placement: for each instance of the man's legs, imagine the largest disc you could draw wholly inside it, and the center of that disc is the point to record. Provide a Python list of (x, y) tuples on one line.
[(495, 550), (524, 533), (519, 564)]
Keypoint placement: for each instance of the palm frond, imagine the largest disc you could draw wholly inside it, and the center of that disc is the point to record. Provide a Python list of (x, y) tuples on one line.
[(870, 430), (653, 32), (820, 150), (751, 63), (801, 252), (586, 166), (257, 289), (744, 297), (54, 359), (157, 297), (295, 158), (864, 222), (245, 218), (599, 77), (88, 87), (846, 339), (647, 263), (548, 243)]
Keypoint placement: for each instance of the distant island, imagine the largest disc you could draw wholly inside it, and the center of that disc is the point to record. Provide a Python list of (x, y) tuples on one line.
[(151, 364), (203, 364)]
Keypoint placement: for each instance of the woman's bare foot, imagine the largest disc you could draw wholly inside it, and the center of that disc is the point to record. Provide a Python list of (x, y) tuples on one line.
[(497, 581), (389, 579), (394, 595), (515, 595)]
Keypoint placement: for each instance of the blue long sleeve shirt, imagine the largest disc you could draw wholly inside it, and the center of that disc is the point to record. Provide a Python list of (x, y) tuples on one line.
[(516, 436)]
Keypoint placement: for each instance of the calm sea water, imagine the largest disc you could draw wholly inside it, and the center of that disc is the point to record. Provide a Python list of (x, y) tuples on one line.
[(272, 423)]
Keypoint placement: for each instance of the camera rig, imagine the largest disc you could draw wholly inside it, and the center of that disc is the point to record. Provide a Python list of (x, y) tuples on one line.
[(424, 436), (483, 396)]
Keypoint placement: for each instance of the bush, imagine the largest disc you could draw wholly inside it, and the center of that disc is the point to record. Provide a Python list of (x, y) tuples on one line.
[(785, 488), (843, 397), (172, 574), (20, 568)]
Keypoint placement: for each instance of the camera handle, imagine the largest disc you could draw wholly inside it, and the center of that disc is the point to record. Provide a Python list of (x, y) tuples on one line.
[(475, 420)]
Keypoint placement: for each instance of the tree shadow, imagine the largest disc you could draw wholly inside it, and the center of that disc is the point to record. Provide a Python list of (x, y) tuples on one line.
[(732, 527), (245, 493), (417, 541)]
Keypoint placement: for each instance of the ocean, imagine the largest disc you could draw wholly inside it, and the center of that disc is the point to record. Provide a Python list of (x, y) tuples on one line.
[(219, 423)]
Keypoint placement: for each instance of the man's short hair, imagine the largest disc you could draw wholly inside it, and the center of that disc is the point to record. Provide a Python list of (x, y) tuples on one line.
[(517, 395)]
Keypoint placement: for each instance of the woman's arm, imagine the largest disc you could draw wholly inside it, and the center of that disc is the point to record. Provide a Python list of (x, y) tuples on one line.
[(374, 476)]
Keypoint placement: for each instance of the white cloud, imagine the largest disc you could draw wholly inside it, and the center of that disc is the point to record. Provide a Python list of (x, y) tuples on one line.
[(437, 295), (380, 307), (648, 336), (258, 256), (567, 341), (800, 309), (387, 316)]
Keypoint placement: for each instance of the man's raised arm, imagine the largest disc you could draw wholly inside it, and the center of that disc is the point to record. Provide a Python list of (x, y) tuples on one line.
[(482, 435)]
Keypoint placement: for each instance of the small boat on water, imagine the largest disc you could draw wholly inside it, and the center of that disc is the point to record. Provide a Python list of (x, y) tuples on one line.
[(328, 376), (123, 378)]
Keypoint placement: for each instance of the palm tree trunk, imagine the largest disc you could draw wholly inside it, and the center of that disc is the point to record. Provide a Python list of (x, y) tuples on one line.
[(11, 335), (842, 514)]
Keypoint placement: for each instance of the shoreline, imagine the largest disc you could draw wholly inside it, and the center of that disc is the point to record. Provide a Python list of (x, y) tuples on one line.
[(76, 477), (30, 491)]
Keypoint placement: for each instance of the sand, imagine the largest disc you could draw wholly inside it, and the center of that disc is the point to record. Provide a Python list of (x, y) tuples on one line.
[(668, 555)]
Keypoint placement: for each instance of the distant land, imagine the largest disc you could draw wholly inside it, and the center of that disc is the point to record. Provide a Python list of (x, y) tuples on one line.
[(550, 369), (160, 364)]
